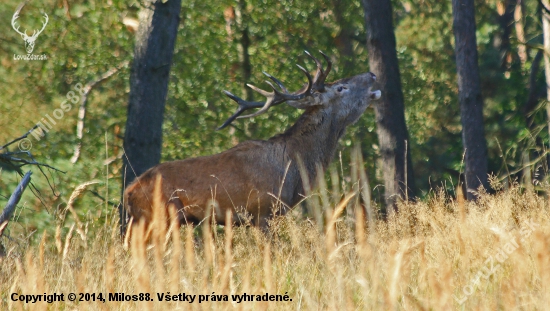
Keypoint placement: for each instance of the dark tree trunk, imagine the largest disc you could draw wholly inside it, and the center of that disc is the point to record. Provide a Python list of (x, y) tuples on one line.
[(155, 39), (534, 94), (343, 39), (244, 48), (390, 110), (469, 95), (506, 21)]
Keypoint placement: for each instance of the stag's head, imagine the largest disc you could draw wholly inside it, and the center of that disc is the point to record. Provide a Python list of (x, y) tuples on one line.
[(344, 100), (29, 40)]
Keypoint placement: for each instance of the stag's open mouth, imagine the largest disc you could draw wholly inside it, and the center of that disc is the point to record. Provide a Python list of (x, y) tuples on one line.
[(375, 94)]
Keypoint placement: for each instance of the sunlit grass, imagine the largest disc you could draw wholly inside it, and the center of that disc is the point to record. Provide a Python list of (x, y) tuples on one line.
[(430, 256)]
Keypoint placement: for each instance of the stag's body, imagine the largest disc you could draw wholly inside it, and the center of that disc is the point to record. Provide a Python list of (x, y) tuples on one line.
[(256, 175)]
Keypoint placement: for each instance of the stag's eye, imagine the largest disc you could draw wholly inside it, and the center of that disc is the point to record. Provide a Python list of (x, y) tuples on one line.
[(341, 88)]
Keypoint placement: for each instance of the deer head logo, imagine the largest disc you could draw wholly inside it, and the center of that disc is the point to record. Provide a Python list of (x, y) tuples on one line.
[(29, 40)]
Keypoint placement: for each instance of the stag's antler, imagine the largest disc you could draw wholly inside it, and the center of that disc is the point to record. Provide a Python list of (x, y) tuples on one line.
[(277, 97), (320, 76)]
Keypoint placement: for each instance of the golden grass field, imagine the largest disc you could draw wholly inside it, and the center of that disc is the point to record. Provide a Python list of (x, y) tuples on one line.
[(437, 254)]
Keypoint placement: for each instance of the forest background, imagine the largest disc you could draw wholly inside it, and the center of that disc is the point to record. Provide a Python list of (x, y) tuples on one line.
[(86, 41)]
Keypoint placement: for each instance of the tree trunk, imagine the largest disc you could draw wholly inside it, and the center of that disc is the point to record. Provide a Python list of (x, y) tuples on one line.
[(244, 47), (469, 95), (533, 95), (343, 38), (505, 10), (155, 39), (390, 110), (520, 32)]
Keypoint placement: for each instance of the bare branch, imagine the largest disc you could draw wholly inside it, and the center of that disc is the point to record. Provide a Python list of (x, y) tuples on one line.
[(12, 202), (15, 161), (19, 138), (27, 162), (82, 110)]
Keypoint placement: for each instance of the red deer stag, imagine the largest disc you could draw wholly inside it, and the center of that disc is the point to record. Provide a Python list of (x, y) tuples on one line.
[(254, 175)]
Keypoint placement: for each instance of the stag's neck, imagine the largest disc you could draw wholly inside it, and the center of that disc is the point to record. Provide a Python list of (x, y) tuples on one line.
[(313, 140)]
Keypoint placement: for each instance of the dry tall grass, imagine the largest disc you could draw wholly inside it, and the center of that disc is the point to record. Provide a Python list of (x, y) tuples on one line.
[(433, 255)]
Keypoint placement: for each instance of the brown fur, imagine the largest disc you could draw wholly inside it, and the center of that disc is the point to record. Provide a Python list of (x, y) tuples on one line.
[(248, 178)]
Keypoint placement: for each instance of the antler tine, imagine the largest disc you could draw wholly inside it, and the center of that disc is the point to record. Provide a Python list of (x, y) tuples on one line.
[(310, 82), (329, 63), (273, 98), (276, 97), (259, 90), (231, 119), (320, 75), (319, 72), (283, 88), (243, 105), (279, 83)]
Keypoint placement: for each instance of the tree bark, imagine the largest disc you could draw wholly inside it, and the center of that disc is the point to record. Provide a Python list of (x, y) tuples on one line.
[(469, 95), (506, 11), (343, 39), (155, 40), (244, 47), (520, 32), (390, 111), (533, 95)]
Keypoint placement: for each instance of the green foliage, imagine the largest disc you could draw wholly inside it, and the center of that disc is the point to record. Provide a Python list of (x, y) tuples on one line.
[(84, 39), (426, 51)]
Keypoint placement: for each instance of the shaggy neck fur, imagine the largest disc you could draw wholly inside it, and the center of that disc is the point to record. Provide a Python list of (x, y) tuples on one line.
[(313, 140)]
